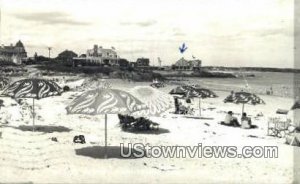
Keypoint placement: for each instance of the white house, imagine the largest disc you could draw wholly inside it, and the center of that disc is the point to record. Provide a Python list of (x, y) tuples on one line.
[(13, 53), (100, 55), (183, 64)]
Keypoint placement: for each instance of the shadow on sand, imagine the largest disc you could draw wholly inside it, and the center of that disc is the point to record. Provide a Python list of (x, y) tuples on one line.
[(155, 132), (98, 152), (44, 129), (251, 126)]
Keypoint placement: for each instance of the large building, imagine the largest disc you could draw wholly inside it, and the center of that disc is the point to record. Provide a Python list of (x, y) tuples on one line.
[(13, 53), (183, 64), (99, 55)]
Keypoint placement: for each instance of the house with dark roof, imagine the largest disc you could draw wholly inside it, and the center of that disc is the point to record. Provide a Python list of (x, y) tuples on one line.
[(189, 65), (13, 53), (142, 62)]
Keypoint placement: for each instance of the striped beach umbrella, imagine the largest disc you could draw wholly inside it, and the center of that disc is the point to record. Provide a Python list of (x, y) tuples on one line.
[(206, 93), (156, 100), (181, 90), (243, 98), (200, 93), (32, 88), (105, 101)]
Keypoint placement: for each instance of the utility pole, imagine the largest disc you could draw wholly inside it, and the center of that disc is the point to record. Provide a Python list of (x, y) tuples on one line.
[(49, 49)]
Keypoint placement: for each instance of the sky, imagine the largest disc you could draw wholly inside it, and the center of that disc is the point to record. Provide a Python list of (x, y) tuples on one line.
[(241, 33)]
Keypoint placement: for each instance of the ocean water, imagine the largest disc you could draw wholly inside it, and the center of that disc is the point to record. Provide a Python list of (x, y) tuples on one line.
[(282, 84)]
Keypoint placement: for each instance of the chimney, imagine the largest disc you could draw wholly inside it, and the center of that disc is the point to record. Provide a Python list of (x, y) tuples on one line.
[(95, 47), (95, 50)]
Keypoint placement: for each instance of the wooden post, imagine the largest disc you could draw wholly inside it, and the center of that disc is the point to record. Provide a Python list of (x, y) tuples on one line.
[(199, 106), (105, 154), (33, 114), (243, 109)]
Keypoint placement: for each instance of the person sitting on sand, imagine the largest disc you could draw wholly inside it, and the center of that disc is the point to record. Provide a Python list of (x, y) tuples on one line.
[(245, 121), (231, 120)]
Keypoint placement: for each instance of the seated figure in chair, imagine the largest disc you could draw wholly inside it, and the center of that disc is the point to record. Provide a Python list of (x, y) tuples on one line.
[(180, 108)]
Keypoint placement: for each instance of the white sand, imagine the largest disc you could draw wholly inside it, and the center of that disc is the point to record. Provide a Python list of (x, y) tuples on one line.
[(27, 156)]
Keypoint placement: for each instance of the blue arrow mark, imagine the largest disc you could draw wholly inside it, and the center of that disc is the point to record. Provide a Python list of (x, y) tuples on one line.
[(182, 48)]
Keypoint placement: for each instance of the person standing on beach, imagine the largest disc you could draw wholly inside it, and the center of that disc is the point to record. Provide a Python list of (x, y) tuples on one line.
[(271, 90)]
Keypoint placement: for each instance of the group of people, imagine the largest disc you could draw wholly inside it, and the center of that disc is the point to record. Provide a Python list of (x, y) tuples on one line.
[(180, 108), (231, 120), (130, 123)]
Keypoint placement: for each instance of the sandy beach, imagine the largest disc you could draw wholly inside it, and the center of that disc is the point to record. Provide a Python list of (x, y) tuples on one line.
[(173, 91), (27, 156)]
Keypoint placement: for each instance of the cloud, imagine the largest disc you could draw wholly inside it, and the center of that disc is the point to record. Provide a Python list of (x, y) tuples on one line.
[(273, 32), (179, 33), (50, 18), (141, 24)]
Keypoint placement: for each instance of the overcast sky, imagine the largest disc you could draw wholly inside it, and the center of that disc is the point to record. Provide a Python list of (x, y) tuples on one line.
[(219, 32)]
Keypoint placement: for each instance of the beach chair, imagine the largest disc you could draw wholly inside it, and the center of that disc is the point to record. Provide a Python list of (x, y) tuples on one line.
[(293, 139), (278, 128)]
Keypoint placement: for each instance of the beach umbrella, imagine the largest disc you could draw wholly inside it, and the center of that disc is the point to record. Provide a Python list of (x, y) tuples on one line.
[(200, 93), (32, 88), (181, 90), (243, 98), (3, 83), (156, 100), (105, 101), (185, 91), (206, 92)]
